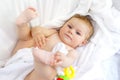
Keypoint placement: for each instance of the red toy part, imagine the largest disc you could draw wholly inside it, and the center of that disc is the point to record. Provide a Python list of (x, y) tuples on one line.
[(60, 79)]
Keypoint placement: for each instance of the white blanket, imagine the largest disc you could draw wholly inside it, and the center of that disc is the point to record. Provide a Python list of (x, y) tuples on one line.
[(18, 66), (104, 43)]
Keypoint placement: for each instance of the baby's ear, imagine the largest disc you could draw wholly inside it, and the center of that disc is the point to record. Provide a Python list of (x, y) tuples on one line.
[(84, 43)]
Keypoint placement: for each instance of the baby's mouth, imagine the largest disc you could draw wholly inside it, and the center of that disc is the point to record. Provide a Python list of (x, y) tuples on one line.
[(68, 36)]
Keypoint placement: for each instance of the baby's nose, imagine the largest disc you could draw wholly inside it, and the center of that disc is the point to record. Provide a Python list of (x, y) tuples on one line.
[(71, 31)]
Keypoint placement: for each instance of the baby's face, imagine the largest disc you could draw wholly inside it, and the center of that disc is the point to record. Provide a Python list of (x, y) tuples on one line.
[(74, 32)]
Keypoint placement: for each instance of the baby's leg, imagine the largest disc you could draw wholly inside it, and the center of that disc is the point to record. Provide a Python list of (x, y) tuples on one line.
[(44, 71), (22, 23)]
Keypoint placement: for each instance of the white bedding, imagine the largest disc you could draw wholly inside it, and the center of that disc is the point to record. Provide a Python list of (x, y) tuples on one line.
[(104, 43), (18, 66)]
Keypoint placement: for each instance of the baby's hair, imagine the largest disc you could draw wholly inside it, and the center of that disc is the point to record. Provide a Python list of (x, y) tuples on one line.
[(87, 19)]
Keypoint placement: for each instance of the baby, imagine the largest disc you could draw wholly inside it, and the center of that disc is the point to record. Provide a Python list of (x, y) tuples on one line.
[(74, 33)]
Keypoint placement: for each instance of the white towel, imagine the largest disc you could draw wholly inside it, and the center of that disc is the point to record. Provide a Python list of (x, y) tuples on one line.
[(20, 65)]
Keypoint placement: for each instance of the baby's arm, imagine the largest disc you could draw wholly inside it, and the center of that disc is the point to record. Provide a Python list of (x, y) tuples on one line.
[(40, 34), (65, 60), (46, 31)]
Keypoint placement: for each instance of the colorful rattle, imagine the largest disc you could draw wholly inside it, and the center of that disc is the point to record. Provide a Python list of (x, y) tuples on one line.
[(69, 73)]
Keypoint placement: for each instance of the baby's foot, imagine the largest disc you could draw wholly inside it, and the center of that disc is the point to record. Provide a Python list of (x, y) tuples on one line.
[(43, 56), (26, 16)]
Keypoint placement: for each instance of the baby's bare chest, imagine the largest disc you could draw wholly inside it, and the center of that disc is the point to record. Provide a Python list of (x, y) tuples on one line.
[(51, 42)]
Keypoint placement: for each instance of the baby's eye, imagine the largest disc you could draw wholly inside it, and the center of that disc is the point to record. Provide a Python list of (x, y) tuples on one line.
[(78, 33), (70, 27)]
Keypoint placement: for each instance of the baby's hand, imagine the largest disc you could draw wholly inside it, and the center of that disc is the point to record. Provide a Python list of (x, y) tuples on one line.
[(39, 39), (60, 59)]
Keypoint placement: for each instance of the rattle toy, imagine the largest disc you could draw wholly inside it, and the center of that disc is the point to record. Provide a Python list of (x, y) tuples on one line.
[(69, 73)]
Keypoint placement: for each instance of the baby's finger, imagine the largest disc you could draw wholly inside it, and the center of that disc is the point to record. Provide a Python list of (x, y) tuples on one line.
[(40, 43), (59, 63), (43, 40), (52, 63), (36, 42), (58, 57)]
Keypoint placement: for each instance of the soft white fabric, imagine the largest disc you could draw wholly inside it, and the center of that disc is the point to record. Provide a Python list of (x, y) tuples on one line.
[(111, 68), (61, 48), (18, 66), (116, 3), (104, 43)]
